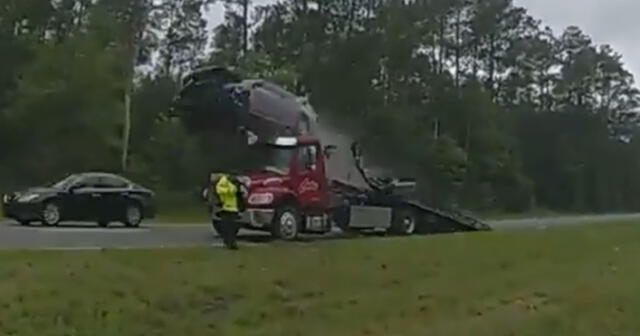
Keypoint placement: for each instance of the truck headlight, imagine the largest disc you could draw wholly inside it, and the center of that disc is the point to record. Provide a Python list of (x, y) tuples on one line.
[(261, 199), (245, 180)]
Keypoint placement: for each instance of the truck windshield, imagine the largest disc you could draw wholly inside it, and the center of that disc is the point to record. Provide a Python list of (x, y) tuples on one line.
[(270, 158), (278, 159)]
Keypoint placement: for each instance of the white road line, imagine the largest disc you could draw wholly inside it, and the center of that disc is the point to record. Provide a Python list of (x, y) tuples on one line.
[(85, 230), (126, 248), (177, 226), (87, 248)]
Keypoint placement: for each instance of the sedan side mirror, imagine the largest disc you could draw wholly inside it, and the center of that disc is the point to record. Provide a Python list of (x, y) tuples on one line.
[(74, 188)]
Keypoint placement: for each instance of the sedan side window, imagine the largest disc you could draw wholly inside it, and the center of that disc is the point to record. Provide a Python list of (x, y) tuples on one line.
[(87, 182), (113, 182)]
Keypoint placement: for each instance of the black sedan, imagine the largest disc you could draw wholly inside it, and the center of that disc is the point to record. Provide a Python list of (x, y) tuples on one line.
[(98, 197)]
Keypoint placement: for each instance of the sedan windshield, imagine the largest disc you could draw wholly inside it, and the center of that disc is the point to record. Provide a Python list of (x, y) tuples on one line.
[(65, 183)]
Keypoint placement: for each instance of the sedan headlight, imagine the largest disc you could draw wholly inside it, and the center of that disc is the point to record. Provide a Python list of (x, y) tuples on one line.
[(261, 199), (28, 198), (6, 198)]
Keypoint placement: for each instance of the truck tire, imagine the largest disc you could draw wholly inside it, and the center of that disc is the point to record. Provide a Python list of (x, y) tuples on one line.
[(341, 217), (404, 222), (286, 223)]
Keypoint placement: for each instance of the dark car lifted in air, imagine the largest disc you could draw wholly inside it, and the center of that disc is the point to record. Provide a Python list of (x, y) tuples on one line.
[(97, 197)]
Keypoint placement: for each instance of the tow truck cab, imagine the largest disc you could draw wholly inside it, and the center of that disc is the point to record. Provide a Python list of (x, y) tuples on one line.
[(292, 194)]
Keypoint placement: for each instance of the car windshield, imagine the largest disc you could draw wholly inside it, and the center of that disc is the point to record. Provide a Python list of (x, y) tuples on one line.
[(66, 182)]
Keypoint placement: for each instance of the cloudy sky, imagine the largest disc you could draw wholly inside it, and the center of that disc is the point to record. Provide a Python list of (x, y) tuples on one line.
[(606, 21)]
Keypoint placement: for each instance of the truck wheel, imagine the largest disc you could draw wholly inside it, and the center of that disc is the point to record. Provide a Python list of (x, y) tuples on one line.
[(404, 222), (286, 223), (341, 217)]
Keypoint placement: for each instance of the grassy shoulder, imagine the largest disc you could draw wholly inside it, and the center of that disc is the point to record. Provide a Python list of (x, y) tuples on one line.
[(533, 213), (571, 281)]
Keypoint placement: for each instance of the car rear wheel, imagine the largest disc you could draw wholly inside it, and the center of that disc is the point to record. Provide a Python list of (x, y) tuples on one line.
[(133, 215), (103, 224), (404, 222), (51, 214)]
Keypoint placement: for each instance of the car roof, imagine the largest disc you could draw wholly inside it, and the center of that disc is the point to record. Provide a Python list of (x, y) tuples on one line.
[(101, 174)]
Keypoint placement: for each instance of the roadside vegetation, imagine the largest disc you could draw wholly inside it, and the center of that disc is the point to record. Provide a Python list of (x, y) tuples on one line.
[(569, 281), (487, 107)]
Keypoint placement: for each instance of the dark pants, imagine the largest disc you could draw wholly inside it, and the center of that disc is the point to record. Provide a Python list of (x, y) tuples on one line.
[(227, 227)]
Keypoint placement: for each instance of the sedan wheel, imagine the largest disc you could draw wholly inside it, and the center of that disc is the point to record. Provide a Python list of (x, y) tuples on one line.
[(51, 214), (133, 215)]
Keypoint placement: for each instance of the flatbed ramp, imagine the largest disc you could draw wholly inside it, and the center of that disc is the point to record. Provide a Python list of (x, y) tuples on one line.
[(447, 221)]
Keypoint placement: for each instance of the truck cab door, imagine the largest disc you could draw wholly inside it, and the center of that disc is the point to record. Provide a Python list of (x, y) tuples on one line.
[(311, 183)]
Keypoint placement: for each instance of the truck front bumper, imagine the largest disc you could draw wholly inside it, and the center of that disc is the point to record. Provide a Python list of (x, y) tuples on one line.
[(257, 219)]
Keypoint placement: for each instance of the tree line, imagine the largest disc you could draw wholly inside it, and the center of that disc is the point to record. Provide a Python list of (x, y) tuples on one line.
[(486, 106)]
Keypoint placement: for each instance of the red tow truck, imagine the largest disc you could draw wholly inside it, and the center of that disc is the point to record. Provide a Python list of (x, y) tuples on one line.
[(292, 192), (293, 195)]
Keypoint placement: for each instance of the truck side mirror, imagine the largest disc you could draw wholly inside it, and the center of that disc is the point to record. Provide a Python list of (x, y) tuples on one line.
[(356, 151), (329, 150)]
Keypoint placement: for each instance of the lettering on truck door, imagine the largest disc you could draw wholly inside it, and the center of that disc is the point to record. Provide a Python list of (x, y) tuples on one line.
[(310, 185)]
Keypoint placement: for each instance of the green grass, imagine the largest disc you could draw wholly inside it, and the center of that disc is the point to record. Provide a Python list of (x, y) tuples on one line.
[(570, 281), (534, 213)]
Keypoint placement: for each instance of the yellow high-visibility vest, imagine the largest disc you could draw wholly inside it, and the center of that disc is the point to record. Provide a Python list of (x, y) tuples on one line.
[(227, 193)]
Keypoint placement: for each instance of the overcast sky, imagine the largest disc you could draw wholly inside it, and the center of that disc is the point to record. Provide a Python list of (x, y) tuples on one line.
[(606, 21)]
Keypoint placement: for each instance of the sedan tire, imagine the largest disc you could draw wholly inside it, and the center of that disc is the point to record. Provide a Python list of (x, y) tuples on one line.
[(133, 215), (51, 214)]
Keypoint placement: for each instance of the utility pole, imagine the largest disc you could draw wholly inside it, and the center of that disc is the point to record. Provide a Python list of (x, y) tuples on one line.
[(245, 27), (137, 21)]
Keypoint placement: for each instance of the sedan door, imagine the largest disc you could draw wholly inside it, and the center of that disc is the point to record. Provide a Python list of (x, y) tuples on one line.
[(113, 200), (80, 203)]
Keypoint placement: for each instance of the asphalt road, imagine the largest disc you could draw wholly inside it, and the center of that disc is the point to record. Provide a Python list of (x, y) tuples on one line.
[(78, 236), (157, 235), (562, 221)]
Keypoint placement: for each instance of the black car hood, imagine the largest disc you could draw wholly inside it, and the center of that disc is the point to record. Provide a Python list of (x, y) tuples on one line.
[(43, 190), (38, 190)]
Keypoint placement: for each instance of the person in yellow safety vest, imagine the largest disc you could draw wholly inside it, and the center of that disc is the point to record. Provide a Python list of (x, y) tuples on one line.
[(228, 196)]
